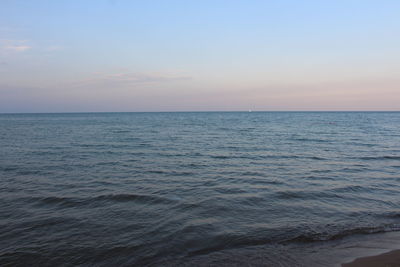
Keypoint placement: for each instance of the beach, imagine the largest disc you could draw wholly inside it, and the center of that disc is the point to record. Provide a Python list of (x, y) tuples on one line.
[(389, 259)]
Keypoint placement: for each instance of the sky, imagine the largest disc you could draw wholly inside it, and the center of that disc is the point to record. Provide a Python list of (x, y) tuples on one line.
[(208, 55)]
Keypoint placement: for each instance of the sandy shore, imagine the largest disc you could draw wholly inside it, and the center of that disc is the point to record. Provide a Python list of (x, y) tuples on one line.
[(390, 259)]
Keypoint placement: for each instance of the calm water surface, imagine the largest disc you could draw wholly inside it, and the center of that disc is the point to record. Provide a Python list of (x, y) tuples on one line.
[(157, 188)]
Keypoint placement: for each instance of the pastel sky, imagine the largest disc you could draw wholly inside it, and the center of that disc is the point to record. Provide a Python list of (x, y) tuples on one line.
[(189, 55)]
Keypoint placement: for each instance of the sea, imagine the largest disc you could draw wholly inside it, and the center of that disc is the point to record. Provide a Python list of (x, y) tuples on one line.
[(195, 188)]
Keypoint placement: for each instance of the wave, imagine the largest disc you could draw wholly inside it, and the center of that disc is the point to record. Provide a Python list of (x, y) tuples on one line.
[(255, 157), (133, 197), (292, 194), (225, 241), (390, 157), (390, 214), (8, 168), (171, 173), (313, 140), (350, 189), (119, 198), (316, 237)]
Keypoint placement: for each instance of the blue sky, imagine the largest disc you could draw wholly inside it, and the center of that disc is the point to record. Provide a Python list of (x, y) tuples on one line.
[(60, 56)]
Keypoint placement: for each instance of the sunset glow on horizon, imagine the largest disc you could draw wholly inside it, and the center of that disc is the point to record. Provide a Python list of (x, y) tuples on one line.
[(87, 56)]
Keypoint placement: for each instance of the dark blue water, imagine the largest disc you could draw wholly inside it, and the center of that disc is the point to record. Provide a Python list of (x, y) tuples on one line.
[(151, 188)]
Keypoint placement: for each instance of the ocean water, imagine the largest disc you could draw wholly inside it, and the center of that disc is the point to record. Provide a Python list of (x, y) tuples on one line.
[(178, 188)]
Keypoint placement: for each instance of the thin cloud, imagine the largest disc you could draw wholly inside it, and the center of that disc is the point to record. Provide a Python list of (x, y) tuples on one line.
[(16, 46), (131, 79)]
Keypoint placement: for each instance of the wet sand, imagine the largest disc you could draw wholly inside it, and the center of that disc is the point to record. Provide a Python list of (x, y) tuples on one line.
[(390, 259)]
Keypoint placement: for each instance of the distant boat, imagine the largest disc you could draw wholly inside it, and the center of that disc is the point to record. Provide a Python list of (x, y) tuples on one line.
[(249, 110)]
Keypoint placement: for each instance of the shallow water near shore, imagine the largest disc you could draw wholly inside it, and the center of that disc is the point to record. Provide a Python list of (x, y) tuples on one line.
[(159, 188)]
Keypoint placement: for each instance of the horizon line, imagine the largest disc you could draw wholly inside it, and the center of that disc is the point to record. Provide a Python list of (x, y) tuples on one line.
[(193, 111)]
